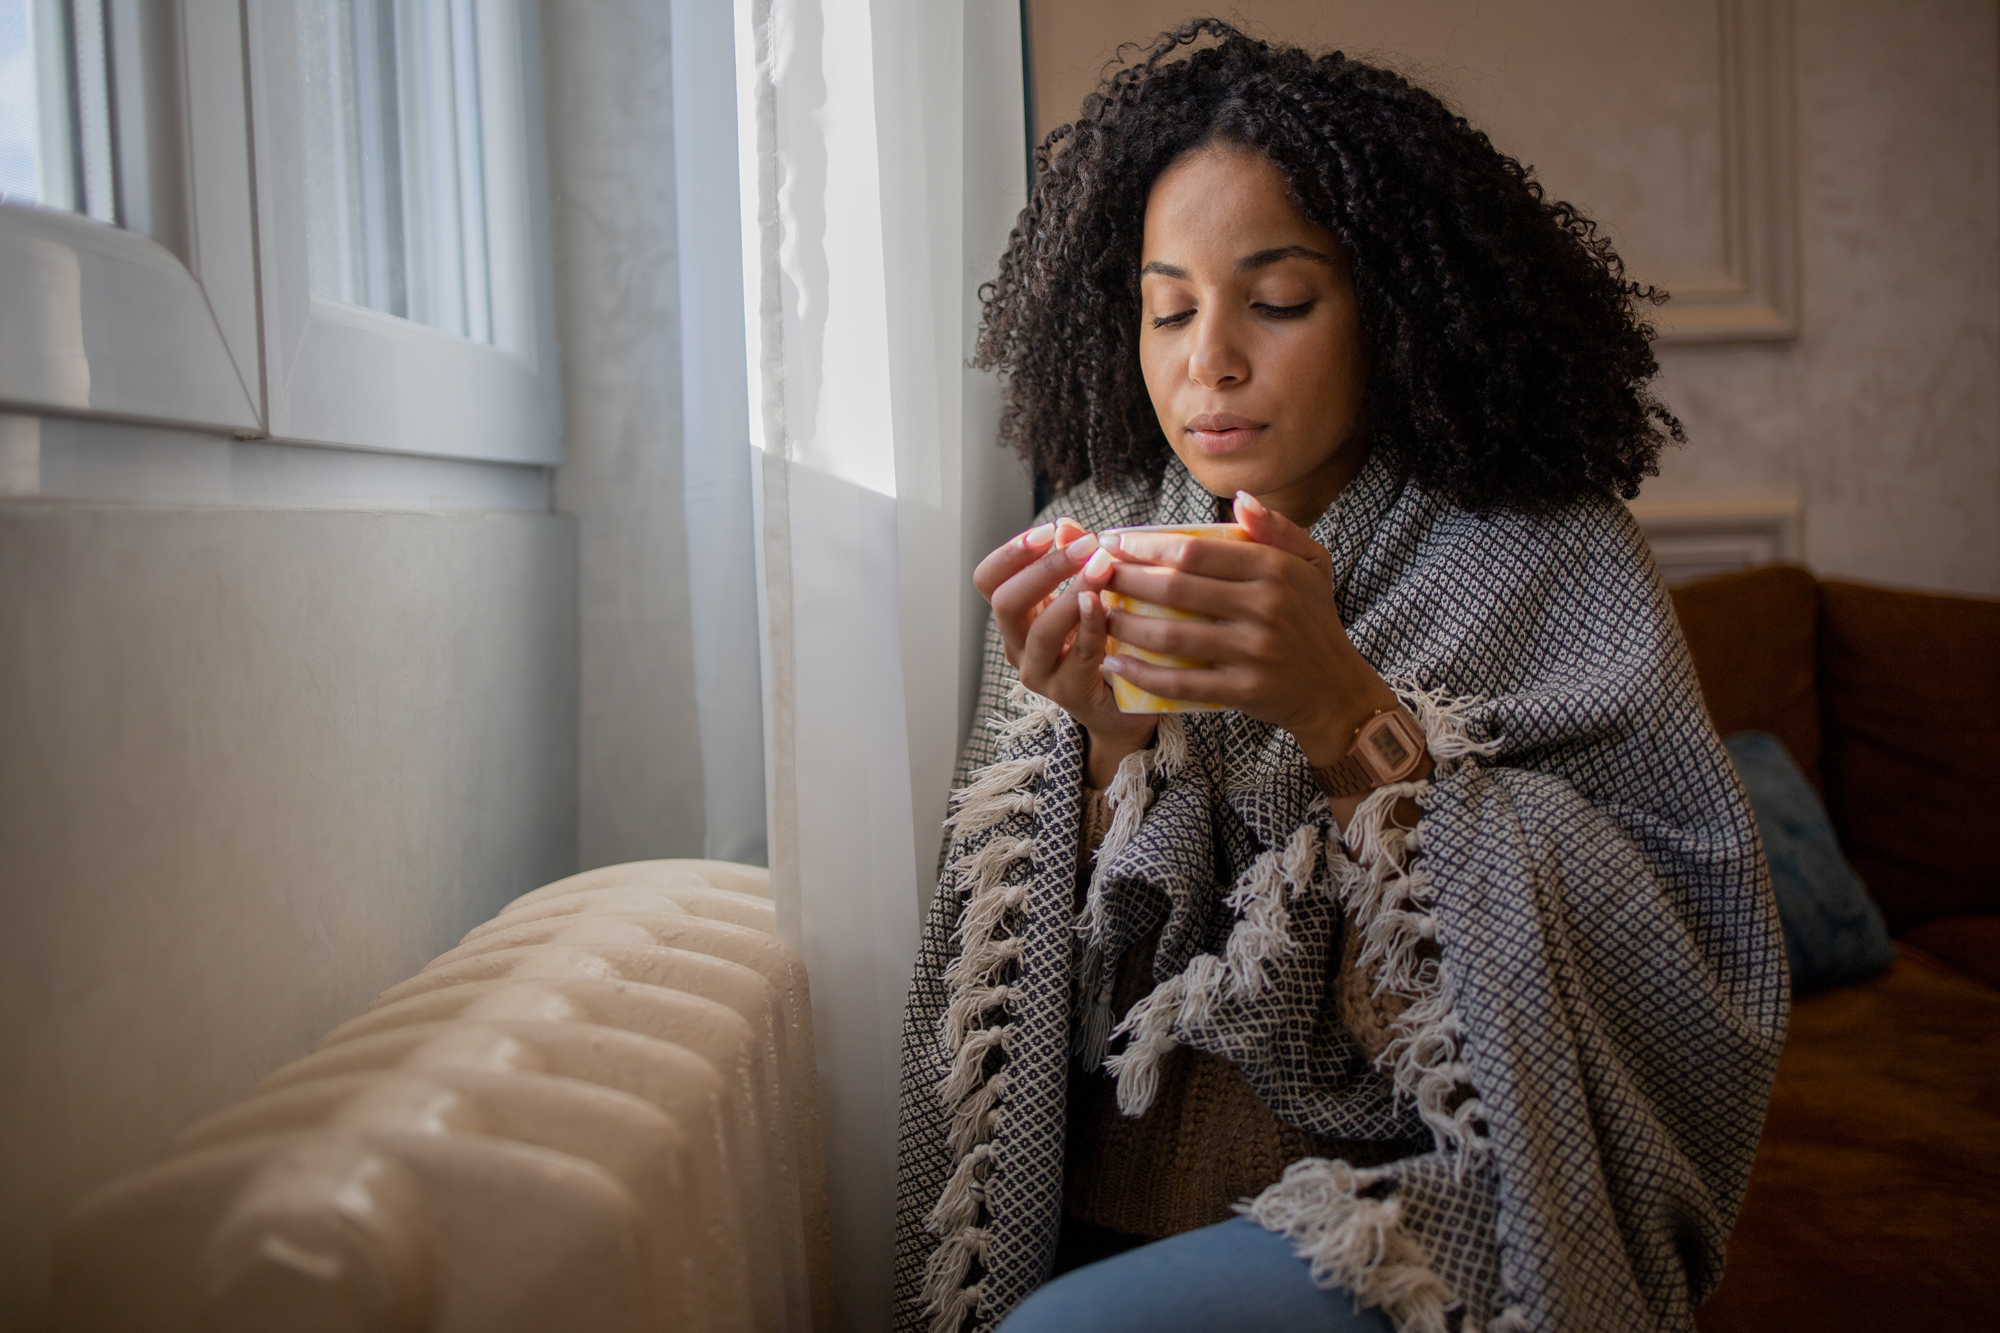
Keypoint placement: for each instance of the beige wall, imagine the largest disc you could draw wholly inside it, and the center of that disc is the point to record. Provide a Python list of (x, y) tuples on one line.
[(255, 765), (1881, 415)]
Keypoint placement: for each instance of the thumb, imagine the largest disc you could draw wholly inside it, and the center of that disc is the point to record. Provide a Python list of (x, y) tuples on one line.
[(1268, 527)]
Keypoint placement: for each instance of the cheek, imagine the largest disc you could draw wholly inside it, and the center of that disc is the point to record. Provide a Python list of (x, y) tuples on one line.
[(1325, 369), (1158, 366)]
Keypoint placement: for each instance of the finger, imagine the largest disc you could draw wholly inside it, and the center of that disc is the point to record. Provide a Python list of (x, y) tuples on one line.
[(1221, 599), (1213, 556), (1011, 557), (1041, 650), (1068, 530), (1181, 638), (1268, 527), (1016, 601), (1096, 572), (1077, 680), (1091, 630), (1202, 685)]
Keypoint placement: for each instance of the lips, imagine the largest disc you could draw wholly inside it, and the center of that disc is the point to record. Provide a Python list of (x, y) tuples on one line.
[(1223, 432)]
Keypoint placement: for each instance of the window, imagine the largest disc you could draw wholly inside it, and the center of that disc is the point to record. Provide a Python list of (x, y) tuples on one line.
[(404, 226), (325, 221), (55, 130), (394, 172)]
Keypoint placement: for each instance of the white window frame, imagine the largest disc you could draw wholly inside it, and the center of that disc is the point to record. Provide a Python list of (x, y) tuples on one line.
[(208, 322)]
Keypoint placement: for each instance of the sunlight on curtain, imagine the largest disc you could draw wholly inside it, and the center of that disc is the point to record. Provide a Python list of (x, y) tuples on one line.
[(873, 202)]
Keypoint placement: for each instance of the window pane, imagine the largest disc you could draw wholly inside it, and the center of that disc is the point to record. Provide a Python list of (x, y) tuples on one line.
[(395, 177), (56, 143)]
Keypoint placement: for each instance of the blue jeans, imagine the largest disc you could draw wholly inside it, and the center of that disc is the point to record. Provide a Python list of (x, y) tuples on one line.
[(1232, 1276)]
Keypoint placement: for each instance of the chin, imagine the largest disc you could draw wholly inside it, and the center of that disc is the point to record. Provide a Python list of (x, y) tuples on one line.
[(1225, 477)]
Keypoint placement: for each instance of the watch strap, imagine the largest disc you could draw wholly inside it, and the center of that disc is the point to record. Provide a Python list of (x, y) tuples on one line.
[(1349, 777)]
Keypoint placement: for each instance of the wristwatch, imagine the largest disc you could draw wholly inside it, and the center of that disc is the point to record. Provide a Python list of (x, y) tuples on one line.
[(1388, 747)]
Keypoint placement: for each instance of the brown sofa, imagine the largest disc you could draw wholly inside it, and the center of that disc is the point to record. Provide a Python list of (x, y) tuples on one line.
[(1875, 1201)]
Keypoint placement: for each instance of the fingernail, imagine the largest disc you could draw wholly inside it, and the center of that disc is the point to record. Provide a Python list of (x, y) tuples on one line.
[(1041, 536), (1081, 547), (1096, 565), (1115, 665), (1110, 541), (1251, 503), (1087, 603)]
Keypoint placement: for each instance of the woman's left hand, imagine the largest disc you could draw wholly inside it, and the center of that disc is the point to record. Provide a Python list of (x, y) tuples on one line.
[(1277, 649)]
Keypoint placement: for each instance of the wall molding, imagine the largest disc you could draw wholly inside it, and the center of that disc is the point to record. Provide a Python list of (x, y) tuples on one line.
[(1695, 538), (1755, 297)]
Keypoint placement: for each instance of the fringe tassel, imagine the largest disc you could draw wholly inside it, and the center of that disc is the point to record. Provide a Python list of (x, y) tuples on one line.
[(972, 1121), (1150, 1024), (1032, 713), (1354, 1242), (978, 818), (950, 1315), (968, 1063), (944, 1289), (958, 1206), (1001, 791), (1263, 928), (1261, 935), (1170, 745), (973, 1003), (1005, 777), (994, 856), (981, 955), (1093, 1034), (1446, 720)]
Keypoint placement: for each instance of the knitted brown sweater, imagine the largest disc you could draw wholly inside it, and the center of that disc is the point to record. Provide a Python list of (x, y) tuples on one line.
[(1207, 1140)]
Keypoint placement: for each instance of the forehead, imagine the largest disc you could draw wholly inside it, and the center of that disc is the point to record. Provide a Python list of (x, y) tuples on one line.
[(1218, 204)]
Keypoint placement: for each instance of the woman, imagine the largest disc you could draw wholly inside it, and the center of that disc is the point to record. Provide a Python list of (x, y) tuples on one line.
[(1445, 941)]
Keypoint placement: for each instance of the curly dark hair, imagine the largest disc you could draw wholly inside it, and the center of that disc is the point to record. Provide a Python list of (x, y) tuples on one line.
[(1509, 361)]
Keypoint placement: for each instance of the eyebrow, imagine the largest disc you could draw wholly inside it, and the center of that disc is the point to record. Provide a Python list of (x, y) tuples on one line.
[(1266, 257), (1261, 259)]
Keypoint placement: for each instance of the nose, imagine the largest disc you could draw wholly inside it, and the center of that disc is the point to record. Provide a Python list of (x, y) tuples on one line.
[(1217, 360)]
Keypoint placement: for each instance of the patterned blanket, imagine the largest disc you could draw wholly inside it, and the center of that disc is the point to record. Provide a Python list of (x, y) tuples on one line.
[(1581, 926)]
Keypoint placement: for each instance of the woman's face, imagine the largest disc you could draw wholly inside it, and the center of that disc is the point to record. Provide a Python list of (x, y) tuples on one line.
[(1249, 338)]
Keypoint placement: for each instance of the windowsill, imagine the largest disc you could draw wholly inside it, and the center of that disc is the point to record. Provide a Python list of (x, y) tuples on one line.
[(73, 458)]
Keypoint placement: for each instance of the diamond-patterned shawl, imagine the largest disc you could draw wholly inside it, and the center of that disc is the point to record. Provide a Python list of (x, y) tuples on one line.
[(1581, 923)]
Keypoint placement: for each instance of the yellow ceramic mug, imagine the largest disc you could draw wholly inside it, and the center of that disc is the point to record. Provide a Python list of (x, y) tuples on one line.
[(1132, 699)]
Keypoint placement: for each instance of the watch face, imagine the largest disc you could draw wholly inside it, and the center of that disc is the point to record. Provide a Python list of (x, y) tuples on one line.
[(1388, 747)]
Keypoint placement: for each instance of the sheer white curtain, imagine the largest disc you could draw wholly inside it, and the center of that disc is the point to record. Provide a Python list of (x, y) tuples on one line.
[(715, 429), (880, 164)]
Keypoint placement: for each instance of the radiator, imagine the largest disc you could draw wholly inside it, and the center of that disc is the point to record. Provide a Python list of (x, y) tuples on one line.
[(598, 1112)]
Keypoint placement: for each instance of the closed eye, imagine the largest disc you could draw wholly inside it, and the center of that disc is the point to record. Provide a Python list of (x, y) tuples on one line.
[(1299, 311), (1170, 321)]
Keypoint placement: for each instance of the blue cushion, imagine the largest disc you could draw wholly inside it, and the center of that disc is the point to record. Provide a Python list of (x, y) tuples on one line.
[(1833, 931)]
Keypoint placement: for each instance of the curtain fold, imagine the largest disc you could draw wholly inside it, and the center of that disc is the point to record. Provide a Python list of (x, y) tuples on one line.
[(716, 494), (879, 167)]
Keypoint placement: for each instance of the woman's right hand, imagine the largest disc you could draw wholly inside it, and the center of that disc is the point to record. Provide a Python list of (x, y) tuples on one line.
[(1057, 642)]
